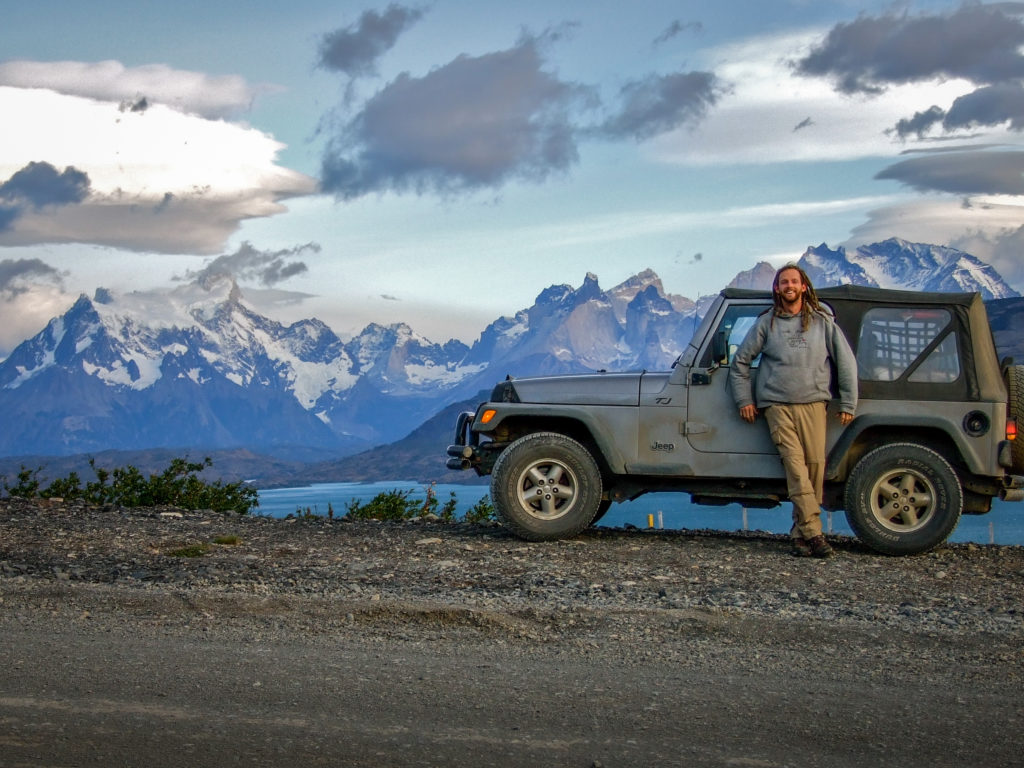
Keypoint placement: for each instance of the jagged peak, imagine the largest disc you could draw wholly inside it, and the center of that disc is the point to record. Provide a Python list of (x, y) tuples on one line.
[(591, 289), (649, 297), (758, 277), (554, 294), (638, 282)]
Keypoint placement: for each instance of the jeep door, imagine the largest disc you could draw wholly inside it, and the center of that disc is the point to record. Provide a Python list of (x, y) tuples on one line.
[(689, 424), (713, 425)]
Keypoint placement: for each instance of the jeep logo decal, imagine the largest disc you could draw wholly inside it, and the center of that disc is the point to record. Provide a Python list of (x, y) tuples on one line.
[(667, 447)]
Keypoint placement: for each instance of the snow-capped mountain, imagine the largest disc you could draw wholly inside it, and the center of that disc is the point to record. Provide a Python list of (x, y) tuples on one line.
[(895, 263), (200, 368)]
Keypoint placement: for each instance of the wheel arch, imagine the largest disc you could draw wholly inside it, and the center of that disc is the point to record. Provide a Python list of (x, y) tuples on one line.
[(581, 430), (869, 432)]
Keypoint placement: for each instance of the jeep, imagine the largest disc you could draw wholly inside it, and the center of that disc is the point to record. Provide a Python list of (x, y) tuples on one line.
[(933, 436)]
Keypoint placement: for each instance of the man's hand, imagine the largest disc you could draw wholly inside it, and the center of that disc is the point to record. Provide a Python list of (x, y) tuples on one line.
[(748, 413), (845, 418)]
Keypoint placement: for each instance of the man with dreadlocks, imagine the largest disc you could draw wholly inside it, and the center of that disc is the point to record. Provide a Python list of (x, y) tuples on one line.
[(796, 339)]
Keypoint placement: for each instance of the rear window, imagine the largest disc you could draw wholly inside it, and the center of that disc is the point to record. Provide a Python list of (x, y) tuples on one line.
[(898, 342)]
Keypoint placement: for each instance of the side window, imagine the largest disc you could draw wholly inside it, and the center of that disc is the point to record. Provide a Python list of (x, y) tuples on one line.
[(893, 338), (942, 365), (731, 331)]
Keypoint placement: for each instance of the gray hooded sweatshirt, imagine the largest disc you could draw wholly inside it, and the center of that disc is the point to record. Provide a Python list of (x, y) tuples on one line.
[(794, 365)]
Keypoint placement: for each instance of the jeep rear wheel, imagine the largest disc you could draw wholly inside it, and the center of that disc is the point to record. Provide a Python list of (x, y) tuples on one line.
[(1015, 410), (903, 499), (545, 486)]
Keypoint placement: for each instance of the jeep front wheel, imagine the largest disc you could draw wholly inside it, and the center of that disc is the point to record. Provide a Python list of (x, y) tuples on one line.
[(903, 499), (545, 486)]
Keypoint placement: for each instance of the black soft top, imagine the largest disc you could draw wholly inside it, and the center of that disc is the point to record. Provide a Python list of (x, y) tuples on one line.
[(886, 296), (982, 378)]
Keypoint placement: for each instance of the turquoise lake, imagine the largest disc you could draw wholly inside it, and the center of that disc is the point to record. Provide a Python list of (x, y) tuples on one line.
[(1003, 525)]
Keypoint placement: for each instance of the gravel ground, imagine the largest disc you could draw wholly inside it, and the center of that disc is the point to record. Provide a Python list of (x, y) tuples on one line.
[(924, 641)]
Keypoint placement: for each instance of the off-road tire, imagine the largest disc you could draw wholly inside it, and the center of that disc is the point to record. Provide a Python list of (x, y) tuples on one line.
[(546, 486), (903, 499), (1015, 410)]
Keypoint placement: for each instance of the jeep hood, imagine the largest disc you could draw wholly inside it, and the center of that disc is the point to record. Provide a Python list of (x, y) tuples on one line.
[(579, 389)]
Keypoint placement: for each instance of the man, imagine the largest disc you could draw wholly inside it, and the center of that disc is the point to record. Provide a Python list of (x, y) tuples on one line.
[(796, 340)]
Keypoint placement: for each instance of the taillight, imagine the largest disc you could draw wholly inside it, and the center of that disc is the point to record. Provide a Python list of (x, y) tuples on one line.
[(1011, 429)]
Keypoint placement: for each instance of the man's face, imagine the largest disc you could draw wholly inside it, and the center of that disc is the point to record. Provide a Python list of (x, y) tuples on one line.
[(790, 286)]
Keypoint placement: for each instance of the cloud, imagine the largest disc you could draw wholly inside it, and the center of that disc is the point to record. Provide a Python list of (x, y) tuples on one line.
[(37, 186), (15, 273), (760, 88), (662, 103), (976, 42), (920, 123), (476, 122), (158, 181), (991, 105), (968, 172), (482, 121), (676, 28), (136, 88), (40, 184), (8, 215), (267, 268), (1001, 248), (31, 293), (140, 104), (980, 44), (354, 50)]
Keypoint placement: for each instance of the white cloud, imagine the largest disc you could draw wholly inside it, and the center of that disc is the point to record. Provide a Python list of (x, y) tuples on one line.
[(26, 313), (161, 180), (755, 122), (635, 224), (194, 92)]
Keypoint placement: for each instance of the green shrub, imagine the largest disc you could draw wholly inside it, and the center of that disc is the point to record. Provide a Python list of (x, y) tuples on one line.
[(389, 505), (481, 512), (397, 505), (27, 486), (178, 486), (432, 505), (192, 550)]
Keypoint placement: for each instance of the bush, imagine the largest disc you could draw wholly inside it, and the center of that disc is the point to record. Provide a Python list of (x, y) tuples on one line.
[(396, 505), (177, 486), (481, 512), (389, 505), (192, 550)]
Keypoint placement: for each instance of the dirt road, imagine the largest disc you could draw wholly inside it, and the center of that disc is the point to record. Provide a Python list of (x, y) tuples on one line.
[(317, 643)]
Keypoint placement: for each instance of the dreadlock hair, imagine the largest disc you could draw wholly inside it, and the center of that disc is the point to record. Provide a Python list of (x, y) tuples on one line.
[(810, 303)]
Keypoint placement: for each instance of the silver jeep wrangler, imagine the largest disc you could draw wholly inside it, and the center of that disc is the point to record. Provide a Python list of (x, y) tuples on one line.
[(933, 438)]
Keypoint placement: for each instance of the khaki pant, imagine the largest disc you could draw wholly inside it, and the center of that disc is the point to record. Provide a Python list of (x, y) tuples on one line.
[(798, 431)]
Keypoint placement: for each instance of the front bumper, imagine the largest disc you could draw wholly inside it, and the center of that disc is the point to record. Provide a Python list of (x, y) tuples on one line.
[(463, 452)]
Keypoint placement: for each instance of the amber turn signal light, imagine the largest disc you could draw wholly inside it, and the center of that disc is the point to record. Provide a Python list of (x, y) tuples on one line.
[(489, 414)]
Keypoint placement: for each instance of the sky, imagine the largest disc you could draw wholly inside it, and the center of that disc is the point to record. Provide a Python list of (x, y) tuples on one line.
[(442, 163)]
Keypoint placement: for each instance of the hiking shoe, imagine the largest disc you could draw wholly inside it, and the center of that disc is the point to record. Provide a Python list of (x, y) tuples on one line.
[(800, 547), (819, 547)]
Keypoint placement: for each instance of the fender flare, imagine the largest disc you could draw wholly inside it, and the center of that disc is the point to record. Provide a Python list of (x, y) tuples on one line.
[(861, 424)]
